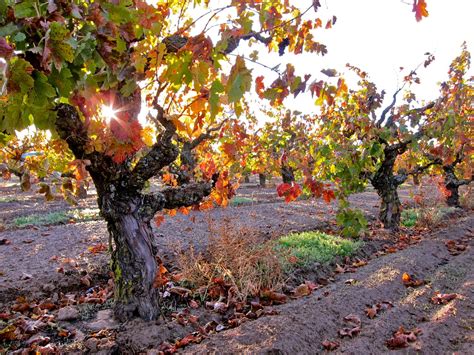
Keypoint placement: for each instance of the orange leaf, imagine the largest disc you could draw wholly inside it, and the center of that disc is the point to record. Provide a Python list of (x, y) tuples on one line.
[(419, 8), (259, 86), (371, 312), (409, 281), (274, 296), (301, 291), (159, 218)]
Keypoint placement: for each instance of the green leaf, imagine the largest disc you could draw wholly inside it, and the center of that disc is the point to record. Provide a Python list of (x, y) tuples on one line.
[(129, 87), (58, 32), (62, 81), (43, 87), (216, 88), (121, 45), (19, 37), (64, 50), (240, 80), (13, 117), (8, 29), (44, 118), (24, 9), (20, 71), (178, 72)]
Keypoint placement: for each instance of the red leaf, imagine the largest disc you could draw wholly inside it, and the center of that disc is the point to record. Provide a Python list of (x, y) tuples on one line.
[(290, 192), (419, 8), (328, 195), (330, 345), (401, 338), (443, 298), (283, 188), (5, 49), (259, 86)]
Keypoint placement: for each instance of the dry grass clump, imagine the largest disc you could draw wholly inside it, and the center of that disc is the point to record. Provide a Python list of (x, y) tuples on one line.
[(467, 197), (426, 217), (237, 257)]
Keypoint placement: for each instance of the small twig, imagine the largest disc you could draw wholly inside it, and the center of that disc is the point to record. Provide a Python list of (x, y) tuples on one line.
[(255, 62)]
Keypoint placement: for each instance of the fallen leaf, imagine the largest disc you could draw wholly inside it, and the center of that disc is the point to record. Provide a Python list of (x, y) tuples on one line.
[(311, 285), (8, 333), (323, 281), (409, 281), (456, 247), (301, 291), (352, 318), (401, 338), (97, 248), (330, 345), (350, 332), (64, 333), (359, 263), (443, 298), (5, 241), (274, 296), (339, 269), (187, 340), (371, 312)]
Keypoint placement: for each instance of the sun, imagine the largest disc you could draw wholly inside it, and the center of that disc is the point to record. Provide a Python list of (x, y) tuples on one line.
[(109, 113)]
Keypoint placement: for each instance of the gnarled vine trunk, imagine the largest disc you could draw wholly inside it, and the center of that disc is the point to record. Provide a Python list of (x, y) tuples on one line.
[(390, 207), (452, 184), (128, 211), (453, 199), (287, 174), (134, 260), (386, 184), (262, 179)]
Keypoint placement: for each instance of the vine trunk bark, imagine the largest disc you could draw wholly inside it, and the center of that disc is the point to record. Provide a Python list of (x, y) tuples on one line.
[(390, 207), (262, 178), (133, 253), (386, 184), (287, 174)]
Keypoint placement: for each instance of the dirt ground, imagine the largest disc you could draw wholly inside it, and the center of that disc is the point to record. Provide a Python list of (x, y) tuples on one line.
[(301, 326), (39, 262), (31, 259)]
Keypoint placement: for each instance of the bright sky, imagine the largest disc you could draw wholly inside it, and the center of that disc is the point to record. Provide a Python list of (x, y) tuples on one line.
[(380, 36)]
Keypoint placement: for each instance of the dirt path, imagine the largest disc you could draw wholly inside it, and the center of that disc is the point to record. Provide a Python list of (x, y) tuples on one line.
[(304, 324)]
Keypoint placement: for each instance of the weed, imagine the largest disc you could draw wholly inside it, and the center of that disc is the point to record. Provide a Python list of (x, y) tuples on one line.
[(236, 256), (56, 217), (314, 246), (8, 199), (239, 200), (85, 214), (467, 198), (425, 217), (409, 217), (41, 219)]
